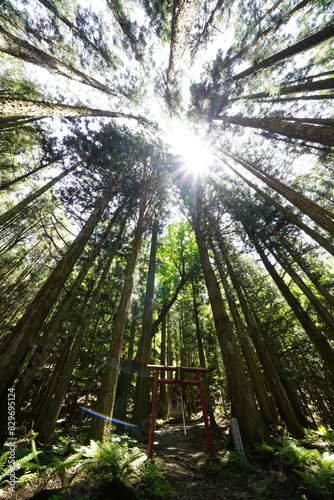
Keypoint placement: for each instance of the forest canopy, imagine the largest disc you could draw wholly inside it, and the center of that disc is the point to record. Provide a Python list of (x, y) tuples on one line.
[(167, 198)]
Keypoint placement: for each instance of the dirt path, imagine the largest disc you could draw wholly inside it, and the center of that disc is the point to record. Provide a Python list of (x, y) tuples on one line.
[(184, 458)]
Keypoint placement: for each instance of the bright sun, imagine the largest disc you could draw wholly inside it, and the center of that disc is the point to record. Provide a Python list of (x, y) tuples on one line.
[(196, 154)]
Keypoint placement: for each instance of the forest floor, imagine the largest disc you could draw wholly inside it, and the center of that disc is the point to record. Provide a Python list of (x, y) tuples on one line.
[(192, 476)]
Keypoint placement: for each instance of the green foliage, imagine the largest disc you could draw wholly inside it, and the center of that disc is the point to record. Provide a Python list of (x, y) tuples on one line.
[(27, 464), (231, 464), (115, 458), (12, 84), (104, 461), (216, 471), (325, 434), (319, 478), (177, 257), (316, 468), (60, 468), (153, 481), (266, 450), (160, 15)]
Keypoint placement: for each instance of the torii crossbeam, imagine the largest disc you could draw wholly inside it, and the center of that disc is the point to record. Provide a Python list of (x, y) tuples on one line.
[(179, 380)]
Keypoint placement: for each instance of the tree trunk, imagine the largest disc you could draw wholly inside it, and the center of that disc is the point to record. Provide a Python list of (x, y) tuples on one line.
[(100, 428), (103, 52), (201, 354), (33, 196), (317, 338), (307, 269), (21, 49), (184, 14), (125, 25), (24, 334), (163, 396), (50, 331), (323, 35), (266, 357), (314, 97), (272, 29), (124, 382), (42, 109), (241, 395), (6, 185), (205, 31), (325, 243), (282, 126), (320, 215), (324, 84), (266, 408), (320, 309), (167, 305), (60, 380), (141, 407)]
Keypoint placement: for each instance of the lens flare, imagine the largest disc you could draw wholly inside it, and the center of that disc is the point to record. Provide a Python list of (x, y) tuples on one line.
[(114, 420), (195, 151), (131, 366)]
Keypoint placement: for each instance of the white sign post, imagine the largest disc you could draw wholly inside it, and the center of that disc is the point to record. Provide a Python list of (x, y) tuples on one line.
[(238, 441)]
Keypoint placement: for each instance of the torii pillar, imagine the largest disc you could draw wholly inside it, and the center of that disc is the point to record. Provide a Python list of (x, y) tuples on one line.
[(178, 381)]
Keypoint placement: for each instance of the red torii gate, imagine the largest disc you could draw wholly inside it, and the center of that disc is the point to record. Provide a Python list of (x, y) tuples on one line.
[(178, 381)]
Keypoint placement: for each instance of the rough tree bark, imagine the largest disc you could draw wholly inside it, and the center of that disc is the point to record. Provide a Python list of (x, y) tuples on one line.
[(100, 428), (266, 408), (55, 392), (12, 212), (40, 109), (314, 133), (323, 35), (252, 427), (184, 14), (266, 357), (11, 44), (325, 243), (141, 408), (24, 334)]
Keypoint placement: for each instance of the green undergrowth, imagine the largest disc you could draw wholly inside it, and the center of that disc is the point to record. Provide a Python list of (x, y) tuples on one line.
[(314, 465), (153, 483), (311, 459), (86, 470), (121, 466)]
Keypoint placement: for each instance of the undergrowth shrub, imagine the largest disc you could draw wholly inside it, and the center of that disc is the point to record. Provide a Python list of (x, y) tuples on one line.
[(315, 467), (153, 482), (112, 461), (25, 465), (114, 458)]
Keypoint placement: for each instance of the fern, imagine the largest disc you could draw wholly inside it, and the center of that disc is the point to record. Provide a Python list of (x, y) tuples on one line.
[(22, 463), (300, 455), (153, 481), (318, 469), (309, 479), (3, 460), (59, 468), (266, 450), (315, 468), (116, 457), (28, 477)]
